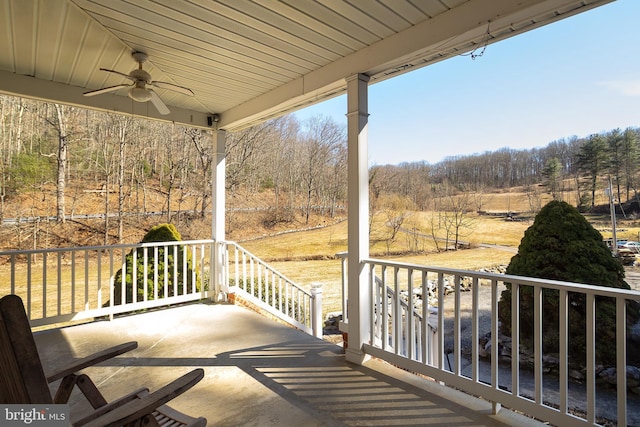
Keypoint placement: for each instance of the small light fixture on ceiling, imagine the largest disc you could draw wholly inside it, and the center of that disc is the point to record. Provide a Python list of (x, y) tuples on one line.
[(139, 94)]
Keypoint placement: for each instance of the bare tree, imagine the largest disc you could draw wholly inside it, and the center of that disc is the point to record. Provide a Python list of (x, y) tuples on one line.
[(279, 171), (396, 210), (202, 143), (244, 155), (534, 198), (435, 227), (456, 209), (60, 125), (321, 146), (122, 127)]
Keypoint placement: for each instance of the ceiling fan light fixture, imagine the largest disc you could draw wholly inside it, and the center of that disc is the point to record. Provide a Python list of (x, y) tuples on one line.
[(139, 94)]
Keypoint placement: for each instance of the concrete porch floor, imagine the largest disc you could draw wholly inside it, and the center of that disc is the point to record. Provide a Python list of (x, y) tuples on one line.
[(259, 373)]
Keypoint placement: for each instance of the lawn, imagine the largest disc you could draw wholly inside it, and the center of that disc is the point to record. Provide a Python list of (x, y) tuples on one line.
[(309, 256)]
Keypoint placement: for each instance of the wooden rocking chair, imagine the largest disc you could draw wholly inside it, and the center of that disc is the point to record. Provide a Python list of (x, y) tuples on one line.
[(23, 381)]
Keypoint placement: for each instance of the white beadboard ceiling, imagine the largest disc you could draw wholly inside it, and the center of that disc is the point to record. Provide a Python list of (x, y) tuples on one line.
[(245, 60)]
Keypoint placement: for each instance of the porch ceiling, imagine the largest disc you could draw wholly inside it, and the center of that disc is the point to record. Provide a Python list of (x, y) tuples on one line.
[(246, 61)]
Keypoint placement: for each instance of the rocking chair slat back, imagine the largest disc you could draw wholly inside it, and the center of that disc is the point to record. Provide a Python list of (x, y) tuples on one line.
[(22, 379)]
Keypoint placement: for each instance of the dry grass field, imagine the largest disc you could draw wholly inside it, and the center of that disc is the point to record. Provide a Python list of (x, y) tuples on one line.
[(321, 246), (309, 256)]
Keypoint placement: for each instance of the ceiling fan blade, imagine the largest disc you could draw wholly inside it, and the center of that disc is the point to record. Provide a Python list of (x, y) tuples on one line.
[(158, 103), (171, 86), (105, 90), (126, 76)]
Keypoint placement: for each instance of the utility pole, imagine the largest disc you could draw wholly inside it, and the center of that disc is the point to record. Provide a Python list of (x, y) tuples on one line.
[(612, 208)]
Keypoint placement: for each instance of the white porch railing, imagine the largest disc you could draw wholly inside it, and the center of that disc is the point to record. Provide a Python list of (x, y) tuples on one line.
[(427, 339), (69, 284), (248, 276)]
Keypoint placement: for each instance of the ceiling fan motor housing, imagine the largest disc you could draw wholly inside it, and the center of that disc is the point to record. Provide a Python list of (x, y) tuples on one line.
[(140, 75)]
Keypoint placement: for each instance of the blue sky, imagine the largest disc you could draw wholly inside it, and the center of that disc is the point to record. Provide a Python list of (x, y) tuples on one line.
[(578, 76)]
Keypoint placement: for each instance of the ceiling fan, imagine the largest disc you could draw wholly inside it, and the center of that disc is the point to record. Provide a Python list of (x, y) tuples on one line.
[(141, 88)]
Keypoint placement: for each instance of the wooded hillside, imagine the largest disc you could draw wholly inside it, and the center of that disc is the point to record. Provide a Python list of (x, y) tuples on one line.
[(60, 164)]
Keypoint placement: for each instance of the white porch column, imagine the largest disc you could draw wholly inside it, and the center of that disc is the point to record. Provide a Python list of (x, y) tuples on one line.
[(359, 297), (218, 202)]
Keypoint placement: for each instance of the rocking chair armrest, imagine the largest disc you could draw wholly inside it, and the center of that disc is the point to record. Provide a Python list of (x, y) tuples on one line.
[(98, 412), (145, 405), (91, 360)]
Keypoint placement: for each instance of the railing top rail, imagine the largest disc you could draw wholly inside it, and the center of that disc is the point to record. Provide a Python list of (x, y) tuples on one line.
[(106, 247), (521, 280)]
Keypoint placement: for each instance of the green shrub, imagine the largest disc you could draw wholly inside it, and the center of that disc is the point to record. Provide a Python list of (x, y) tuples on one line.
[(174, 262), (562, 245)]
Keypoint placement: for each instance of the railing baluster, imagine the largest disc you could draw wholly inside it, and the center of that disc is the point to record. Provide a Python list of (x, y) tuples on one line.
[(245, 275), (123, 288), (288, 298), (591, 358), (300, 306), (374, 311), (425, 333), (175, 270), (185, 273), (537, 344), (515, 339), (111, 283), (73, 281), (194, 268), (165, 272), (495, 346), (345, 297), (252, 277), (397, 313), (456, 327), (475, 338), (441, 321), (155, 272), (272, 286), (145, 273), (86, 279), (384, 323), (44, 285), (12, 258), (411, 330), (563, 342), (99, 277), (621, 359), (305, 310), (29, 301), (203, 258), (294, 303), (59, 283)]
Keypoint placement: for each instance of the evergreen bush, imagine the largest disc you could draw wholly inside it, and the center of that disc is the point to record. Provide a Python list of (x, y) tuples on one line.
[(172, 263), (562, 245)]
